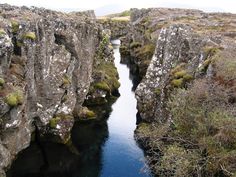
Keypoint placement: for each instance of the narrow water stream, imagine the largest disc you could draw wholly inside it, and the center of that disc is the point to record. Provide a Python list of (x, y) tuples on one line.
[(121, 155), (106, 146)]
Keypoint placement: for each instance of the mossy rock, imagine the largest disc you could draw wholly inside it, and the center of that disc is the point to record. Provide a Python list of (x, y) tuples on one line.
[(144, 129), (11, 100), (180, 74), (188, 77), (178, 68), (30, 35), (90, 114), (102, 86), (66, 80), (177, 82), (53, 122), (15, 26), (2, 81), (2, 32), (19, 43), (146, 51), (57, 118), (14, 99), (86, 113), (110, 81), (157, 91), (211, 51)]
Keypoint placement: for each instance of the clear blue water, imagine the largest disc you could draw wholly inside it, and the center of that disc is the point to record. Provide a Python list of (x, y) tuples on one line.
[(121, 155), (106, 146)]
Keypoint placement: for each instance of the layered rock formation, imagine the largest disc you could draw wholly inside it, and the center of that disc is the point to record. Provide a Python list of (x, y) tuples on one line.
[(47, 61)]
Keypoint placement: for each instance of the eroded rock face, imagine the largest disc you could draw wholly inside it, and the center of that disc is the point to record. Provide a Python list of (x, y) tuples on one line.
[(175, 45), (181, 38), (192, 61), (47, 60)]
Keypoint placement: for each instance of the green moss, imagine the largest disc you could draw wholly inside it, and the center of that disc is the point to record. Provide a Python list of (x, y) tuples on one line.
[(2, 32), (157, 91), (11, 100), (102, 86), (144, 129), (187, 77), (66, 80), (211, 51), (205, 65), (19, 96), (57, 118), (53, 122), (19, 43), (178, 68), (14, 99), (108, 70), (180, 74), (85, 113), (15, 26), (116, 84), (2, 81), (177, 82), (147, 51), (30, 35), (134, 45), (90, 114)]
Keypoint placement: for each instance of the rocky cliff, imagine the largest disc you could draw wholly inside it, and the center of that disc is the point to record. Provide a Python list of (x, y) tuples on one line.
[(47, 61), (184, 43), (188, 91)]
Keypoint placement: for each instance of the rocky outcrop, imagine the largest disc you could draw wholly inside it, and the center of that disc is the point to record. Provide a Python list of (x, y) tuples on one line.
[(161, 40), (176, 45), (187, 94), (47, 60)]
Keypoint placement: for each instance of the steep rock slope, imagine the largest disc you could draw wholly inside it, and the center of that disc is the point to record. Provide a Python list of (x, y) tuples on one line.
[(187, 96), (47, 60)]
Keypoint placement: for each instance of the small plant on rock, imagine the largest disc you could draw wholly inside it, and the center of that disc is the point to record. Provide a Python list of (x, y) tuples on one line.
[(2, 81), (30, 35), (15, 98)]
